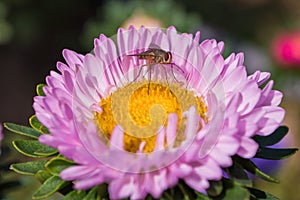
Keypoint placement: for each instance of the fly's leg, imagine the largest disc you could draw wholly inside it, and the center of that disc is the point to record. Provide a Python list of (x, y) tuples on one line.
[(140, 71), (174, 74), (150, 68), (166, 73)]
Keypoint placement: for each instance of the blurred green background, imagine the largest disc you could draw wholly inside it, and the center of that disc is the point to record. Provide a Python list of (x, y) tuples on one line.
[(33, 34)]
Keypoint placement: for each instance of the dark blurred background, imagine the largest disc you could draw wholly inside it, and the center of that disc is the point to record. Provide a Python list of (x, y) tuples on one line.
[(33, 34)]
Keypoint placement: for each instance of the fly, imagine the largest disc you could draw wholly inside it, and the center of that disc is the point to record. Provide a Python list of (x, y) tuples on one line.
[(155, 56)]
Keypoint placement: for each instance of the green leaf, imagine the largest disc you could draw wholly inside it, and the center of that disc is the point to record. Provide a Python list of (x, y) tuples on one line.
[(56, 165), (39, 89), (22, 130), (43, 175), (29, 168), (49, 187), (33, 148), (261, 195), (252, 168), (238, 174), (234, 190), (92, 194), (272, 139), (37, 125), (75, 195), (215, 188), (275, 154)]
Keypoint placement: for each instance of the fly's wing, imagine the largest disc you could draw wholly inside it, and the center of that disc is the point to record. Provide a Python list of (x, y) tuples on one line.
[(149, 53), (143, 55), (158, 52), (154, 46)]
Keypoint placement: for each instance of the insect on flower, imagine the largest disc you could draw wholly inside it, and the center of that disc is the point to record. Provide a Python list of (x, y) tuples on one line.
[(156, 56)]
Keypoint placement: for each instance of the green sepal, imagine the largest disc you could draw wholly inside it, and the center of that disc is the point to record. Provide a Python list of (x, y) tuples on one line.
[(261, 195), (29, 168), (39, 89), (215, 188), (182, 191), (201, 196), (252, 168), (92, 194), (75, 195), (57, 164), (103, 191), (49, 187), (272, 139), (22, 130), (46, 151), (237, 173), (275, 154), (234, 190), (33, 148), (37, 125), (42, 175)]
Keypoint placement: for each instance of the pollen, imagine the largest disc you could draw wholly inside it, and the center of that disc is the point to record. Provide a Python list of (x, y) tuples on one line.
[(142, 109)]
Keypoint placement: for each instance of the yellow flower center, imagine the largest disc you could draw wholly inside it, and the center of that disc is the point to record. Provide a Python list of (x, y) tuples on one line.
[(141, 109)]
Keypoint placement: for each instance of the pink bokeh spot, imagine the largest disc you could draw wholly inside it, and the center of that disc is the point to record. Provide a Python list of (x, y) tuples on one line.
[(286, 49)]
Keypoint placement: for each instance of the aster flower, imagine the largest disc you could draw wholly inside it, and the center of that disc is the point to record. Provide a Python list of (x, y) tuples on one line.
[(199, 126), (146, 112)]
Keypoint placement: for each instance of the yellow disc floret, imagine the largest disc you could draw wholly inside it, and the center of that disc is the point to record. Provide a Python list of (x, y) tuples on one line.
[(141, 109)]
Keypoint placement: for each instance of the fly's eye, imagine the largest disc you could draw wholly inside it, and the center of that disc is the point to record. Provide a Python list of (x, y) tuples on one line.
[(168, 57)]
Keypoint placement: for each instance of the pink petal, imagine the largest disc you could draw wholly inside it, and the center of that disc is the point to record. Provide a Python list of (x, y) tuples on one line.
[(117, 138), (248, 148), (171, 129)]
